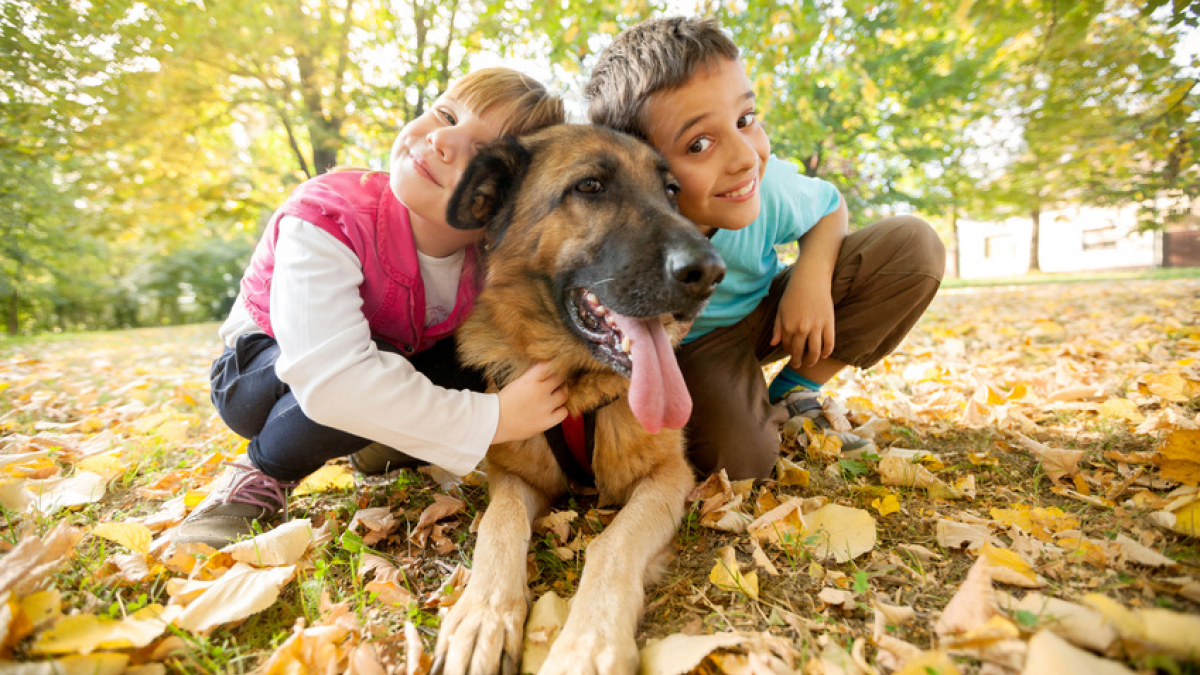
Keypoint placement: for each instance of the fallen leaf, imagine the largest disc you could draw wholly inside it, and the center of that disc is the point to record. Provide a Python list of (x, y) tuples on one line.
[(443, 506), (841, 532), (1051, 655), (283, 545), (1180, 459), (728, 577), (1079, 625), (240, 592), (1134, 552), (887, 505), (547, 616), (678, 654), (90, 664), (52, 494), (783, 525), (28, 566), (328, 478), (972, 605), (85, 633), (133, 536), (1008, 567), (416, 661)]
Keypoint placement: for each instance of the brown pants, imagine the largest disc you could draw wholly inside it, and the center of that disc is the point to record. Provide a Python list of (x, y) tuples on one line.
[(886, 275)]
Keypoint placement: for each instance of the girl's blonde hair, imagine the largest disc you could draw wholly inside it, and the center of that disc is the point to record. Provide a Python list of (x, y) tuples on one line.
[(525, 103)]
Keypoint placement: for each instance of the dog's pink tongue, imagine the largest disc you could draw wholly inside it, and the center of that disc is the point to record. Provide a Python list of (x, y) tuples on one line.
[(657, 394)]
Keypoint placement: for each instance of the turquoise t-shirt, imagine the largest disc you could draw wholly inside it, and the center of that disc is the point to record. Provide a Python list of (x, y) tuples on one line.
[(791, 205)]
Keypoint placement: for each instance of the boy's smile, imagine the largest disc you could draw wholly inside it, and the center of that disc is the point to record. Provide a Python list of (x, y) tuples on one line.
[(708, 131)]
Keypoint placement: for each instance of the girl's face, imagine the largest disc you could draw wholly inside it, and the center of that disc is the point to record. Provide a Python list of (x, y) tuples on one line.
[(429, 157)]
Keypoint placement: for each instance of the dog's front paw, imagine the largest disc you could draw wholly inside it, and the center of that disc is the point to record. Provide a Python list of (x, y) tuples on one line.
[(482, 634), (591, 652)]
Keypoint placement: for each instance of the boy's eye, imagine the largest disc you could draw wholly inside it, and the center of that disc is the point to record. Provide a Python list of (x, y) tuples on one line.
[(699, 145), (746, 120), (447, 116)]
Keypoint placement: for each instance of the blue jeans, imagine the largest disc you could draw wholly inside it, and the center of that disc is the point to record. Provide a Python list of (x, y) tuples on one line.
[(284, 443)]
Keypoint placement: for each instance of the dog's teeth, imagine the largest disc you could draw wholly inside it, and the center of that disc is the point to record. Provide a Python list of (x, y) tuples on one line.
[(601, 310), (592, 299), (608, 318), (626, 344)]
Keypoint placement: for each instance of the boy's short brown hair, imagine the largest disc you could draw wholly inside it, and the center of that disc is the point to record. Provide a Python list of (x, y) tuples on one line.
[(651, 56)]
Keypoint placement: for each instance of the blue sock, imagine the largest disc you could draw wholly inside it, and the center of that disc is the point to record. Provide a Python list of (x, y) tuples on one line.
[(788, 381)]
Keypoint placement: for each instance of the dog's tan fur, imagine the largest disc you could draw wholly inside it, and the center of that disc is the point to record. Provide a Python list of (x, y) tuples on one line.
[(516, 324)]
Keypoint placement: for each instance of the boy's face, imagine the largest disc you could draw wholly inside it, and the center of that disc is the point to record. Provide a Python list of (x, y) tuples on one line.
[(431, 153), (708, 131)]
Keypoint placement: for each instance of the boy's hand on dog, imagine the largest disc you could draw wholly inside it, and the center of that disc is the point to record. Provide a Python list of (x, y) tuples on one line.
[(804, 325), (531, 404)]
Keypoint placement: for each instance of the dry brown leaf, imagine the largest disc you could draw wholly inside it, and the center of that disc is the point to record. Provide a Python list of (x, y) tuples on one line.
[(1079, 625), (973, 604), (283, 545), (240, 592), (28, 566), (1057, 463), (1051, 655), (443, 506), (416, 661)]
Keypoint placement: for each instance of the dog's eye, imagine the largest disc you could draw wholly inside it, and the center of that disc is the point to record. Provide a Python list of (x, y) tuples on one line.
[(590, 186), (672, 191)]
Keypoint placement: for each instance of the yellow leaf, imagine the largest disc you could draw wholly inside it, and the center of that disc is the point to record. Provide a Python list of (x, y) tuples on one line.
[(108, 465), (1187, 520), (1009, 567), (1122, 409), (42, 606), (841, 532), (1181, 456), (327, 478), (887, 505), (929, 663), (133, 536), (788, 472), (726, 575), (85, 633), (1169, 385)]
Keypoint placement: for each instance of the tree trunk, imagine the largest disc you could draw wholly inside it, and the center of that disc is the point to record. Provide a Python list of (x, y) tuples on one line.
[(1035, 264), (954, 235), (12, 320)]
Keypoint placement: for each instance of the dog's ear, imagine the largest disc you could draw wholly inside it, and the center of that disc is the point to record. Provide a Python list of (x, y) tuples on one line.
[(490, 179)]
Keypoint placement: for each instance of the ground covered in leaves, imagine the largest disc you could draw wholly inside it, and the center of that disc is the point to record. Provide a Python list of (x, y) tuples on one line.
[(1029, 505)]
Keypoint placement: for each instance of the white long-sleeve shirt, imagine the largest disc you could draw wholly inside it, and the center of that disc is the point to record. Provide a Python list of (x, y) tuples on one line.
[(339, 377)]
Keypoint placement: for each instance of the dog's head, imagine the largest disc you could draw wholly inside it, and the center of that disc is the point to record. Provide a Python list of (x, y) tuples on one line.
[(589, 215)]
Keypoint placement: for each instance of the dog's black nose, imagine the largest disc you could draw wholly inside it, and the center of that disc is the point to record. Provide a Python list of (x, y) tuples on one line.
[(696, 267)]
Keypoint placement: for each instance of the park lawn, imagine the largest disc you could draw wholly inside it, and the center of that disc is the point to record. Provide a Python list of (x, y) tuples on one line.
[(1031, 443)]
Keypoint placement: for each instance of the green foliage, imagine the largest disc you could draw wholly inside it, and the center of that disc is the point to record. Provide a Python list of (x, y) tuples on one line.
[(143, 146)]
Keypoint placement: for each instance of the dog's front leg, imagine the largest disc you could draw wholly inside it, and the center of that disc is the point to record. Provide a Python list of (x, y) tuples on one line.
[(482, 634), (598, 638)]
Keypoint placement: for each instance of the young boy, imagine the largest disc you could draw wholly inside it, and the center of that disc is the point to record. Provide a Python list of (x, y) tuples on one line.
[(849, 299)]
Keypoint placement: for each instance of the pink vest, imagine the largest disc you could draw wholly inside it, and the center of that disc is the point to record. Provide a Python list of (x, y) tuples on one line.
[(364, 215)]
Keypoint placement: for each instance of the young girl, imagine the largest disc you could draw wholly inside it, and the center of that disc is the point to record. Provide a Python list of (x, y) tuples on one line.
[(338, 336)]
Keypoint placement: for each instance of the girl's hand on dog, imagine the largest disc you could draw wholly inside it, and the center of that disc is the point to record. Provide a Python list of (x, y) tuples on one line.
[(531, 404)]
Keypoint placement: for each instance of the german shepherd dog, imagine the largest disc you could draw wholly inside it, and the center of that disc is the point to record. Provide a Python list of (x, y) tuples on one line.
[(592, 269)]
